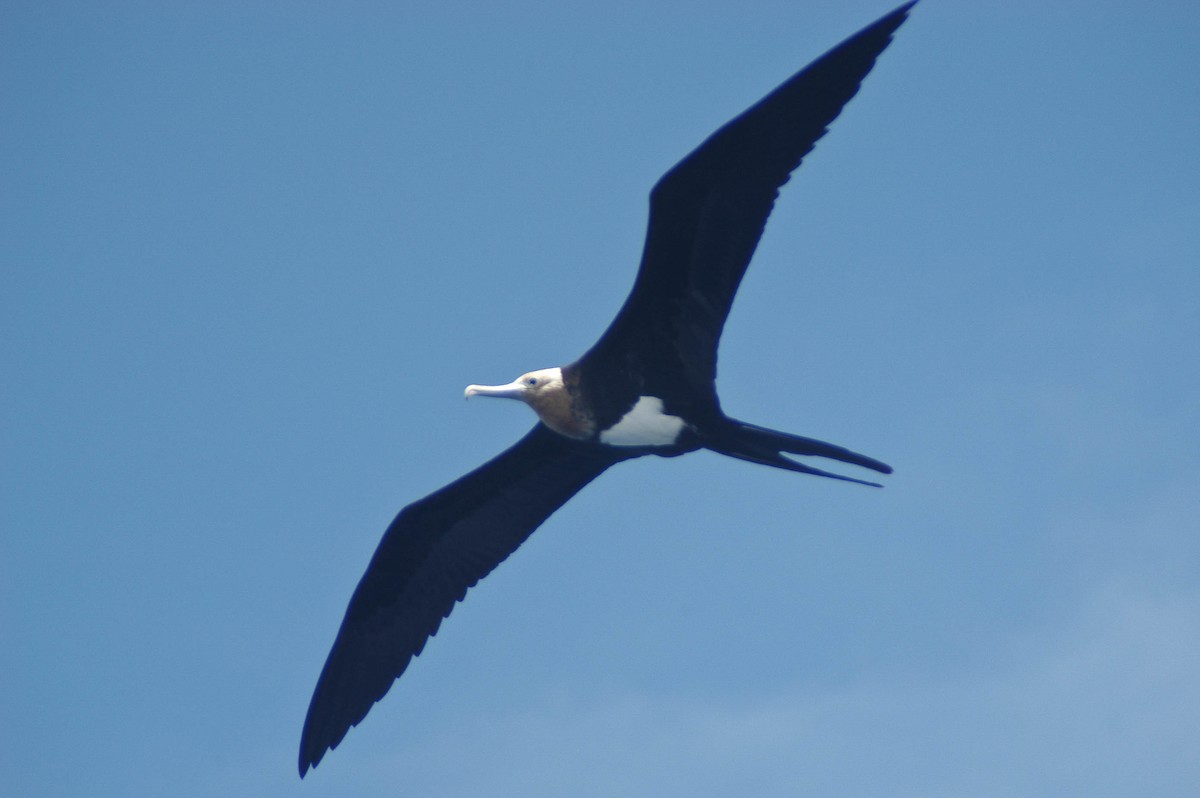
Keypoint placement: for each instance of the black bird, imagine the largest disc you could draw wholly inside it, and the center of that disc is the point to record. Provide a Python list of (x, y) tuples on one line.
[(646, 387)]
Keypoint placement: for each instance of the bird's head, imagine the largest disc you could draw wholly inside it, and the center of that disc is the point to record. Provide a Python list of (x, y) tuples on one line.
[(532, 388), (544, 391)]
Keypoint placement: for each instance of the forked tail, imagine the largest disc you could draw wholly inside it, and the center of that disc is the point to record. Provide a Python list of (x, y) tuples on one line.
[(761, 445)]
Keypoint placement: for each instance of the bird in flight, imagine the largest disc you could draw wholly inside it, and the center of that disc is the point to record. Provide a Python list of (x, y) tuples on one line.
[(647, 386)]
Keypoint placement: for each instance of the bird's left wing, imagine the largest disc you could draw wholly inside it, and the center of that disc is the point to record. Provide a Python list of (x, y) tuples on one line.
[(435, 550), (708, 212)]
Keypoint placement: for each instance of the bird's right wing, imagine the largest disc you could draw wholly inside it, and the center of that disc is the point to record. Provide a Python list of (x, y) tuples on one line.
[(707, 214), (435, 550)]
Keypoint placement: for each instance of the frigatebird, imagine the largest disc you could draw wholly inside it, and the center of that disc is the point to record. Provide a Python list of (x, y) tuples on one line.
[(646, 387)]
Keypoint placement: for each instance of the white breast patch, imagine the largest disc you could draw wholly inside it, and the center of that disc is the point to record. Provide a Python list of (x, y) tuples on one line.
[(644, 425)]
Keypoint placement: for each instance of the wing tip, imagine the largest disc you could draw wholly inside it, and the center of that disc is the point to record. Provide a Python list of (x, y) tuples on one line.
[(887, 25), (311, 752), (308, 758)]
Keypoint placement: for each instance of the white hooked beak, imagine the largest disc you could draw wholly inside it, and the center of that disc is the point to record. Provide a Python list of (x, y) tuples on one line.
[(514, 390)]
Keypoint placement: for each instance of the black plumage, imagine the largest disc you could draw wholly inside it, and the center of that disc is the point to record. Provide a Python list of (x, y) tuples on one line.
[(706, 217)]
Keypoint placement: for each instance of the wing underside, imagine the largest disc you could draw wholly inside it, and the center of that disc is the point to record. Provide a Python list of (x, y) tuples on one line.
[(432, 553), (708, 212)]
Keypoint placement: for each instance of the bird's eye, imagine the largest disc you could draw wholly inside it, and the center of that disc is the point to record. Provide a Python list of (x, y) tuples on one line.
[(531, 381)]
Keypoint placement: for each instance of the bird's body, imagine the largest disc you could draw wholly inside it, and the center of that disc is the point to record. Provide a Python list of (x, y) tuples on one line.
[(648, 386)]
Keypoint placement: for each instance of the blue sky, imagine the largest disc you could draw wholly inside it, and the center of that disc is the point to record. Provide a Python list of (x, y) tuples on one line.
[(253, 252)]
